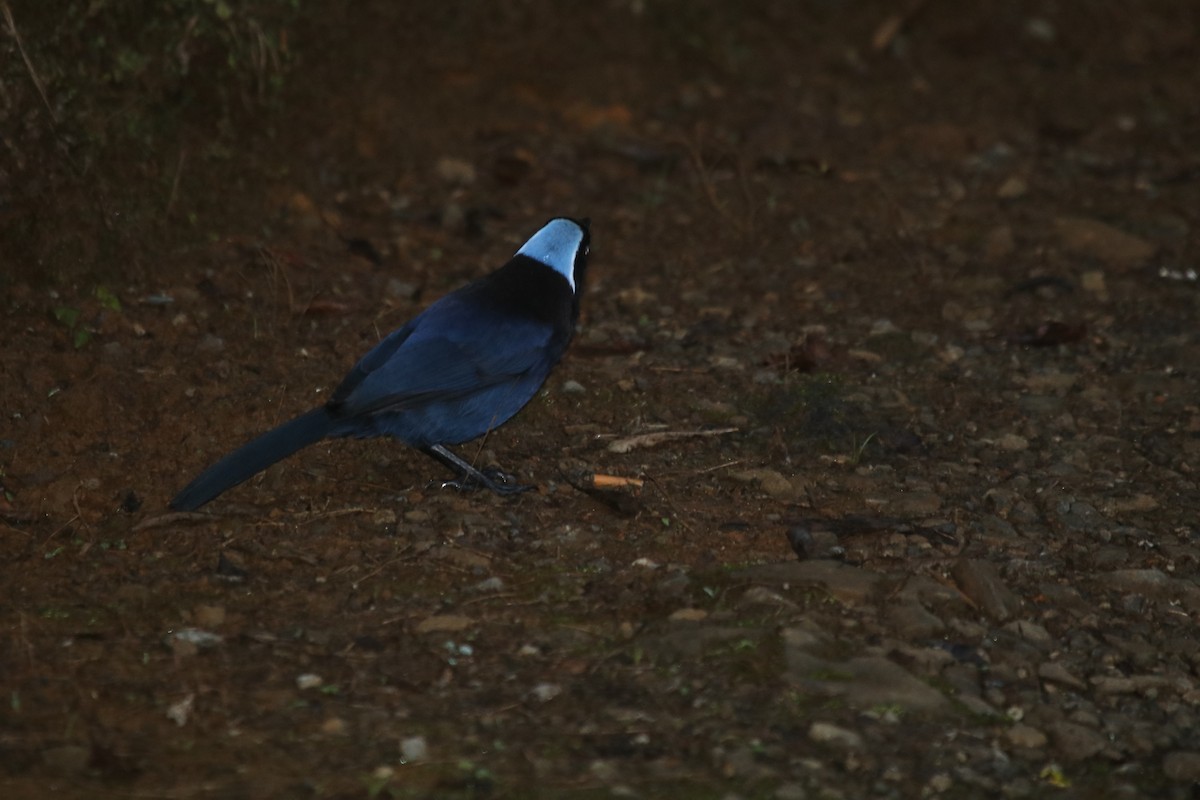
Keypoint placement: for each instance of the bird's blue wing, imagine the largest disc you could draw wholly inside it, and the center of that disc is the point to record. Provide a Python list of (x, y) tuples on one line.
[(440, 363)]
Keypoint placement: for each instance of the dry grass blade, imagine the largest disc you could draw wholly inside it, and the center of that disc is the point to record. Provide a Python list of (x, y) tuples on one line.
[(659, 437)]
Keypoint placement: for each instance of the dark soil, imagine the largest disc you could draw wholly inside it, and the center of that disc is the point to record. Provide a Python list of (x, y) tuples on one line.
[(916, 290)]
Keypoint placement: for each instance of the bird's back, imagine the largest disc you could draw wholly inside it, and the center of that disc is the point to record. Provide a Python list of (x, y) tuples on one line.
[(466, 365)]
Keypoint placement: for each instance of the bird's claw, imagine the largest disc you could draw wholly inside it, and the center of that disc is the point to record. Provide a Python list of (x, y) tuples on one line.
[(494, 480)]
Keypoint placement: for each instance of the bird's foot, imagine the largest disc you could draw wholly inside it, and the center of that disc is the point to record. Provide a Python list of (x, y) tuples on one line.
[(502, 483)]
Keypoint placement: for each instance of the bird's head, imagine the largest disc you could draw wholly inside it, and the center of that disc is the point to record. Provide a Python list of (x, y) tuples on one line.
[(562, 245)]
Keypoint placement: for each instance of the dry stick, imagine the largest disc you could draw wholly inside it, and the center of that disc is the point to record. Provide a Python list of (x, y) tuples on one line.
[(37, 82), (175, 182), (890, 28)]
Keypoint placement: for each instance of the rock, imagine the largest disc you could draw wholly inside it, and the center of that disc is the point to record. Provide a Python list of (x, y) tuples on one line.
[(1145, 581), (808, 543), (397, 289), (1139, 502), (1012, 443), (1093, 281), (455, 170), (999, 244), (915, 504), (69, 759), (209, 616), (210, 344), (1056, 673), (825, 733), (851, 585), (1030, 632), (863, 682), (1182, 766), (770, 481), (489, 585), (789, 791), (1103, 242), (762, 596), (1012, 188), (414, 749), (911, 621), (545, 692), (308, 680), (980, 581), (1075, 742), (334, 726), (1021, 735)]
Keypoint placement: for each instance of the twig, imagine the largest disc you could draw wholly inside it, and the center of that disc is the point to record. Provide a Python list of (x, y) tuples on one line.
[(37, 82), (175, 181), (890, 28), (651, 439)]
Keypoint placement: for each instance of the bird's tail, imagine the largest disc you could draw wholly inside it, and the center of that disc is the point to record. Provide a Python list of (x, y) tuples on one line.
[(251, 459)]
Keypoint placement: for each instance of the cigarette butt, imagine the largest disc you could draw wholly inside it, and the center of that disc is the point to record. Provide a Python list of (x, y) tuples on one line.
[(615, 482)]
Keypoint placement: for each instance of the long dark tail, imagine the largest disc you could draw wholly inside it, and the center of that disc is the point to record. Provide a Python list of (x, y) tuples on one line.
[(251, 459)]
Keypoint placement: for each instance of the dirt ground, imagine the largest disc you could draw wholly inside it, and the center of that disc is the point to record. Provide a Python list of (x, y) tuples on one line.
[(891, 310)]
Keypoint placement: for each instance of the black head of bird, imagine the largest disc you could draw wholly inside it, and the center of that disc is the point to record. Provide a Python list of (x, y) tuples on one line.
[(462, 367)]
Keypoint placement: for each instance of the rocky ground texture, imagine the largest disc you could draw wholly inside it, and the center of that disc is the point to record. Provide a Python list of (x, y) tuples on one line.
[(872, 471)]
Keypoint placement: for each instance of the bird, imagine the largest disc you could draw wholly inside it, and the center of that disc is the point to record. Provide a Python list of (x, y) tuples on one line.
[(459, 369)]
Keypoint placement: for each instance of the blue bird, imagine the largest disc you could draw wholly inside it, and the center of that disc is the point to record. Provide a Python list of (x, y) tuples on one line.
[(461, 368)]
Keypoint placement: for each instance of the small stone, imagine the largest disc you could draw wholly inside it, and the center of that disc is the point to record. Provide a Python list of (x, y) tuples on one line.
[(444, 623), (912, 622), (1103, 242), (210, 344), (334, 726), (762, 596), (1012, 443), (941, 783), (915, 504), (789, 791), (1182, 766), (455, 170), (808, 543), (69, 759), (1093, 281), (1075, 742), (414, 749), (1012, 188), (847, 584), (1021, 735), (397, 289), (999, 244), (825, 733), (489, 585), (308, 680), (1056, 673), (980, 581), (180, 711), (545, 692), (1139, 502), (770, 481), (194, 638), (1146, 581), (573, 387), (209, 616), (1030, 631), (384, 517)]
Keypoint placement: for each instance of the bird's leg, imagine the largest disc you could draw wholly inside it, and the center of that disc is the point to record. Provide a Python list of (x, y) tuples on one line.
[(469, 477)]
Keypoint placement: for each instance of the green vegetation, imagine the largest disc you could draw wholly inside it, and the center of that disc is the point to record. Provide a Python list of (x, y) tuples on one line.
[(108, 107)]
